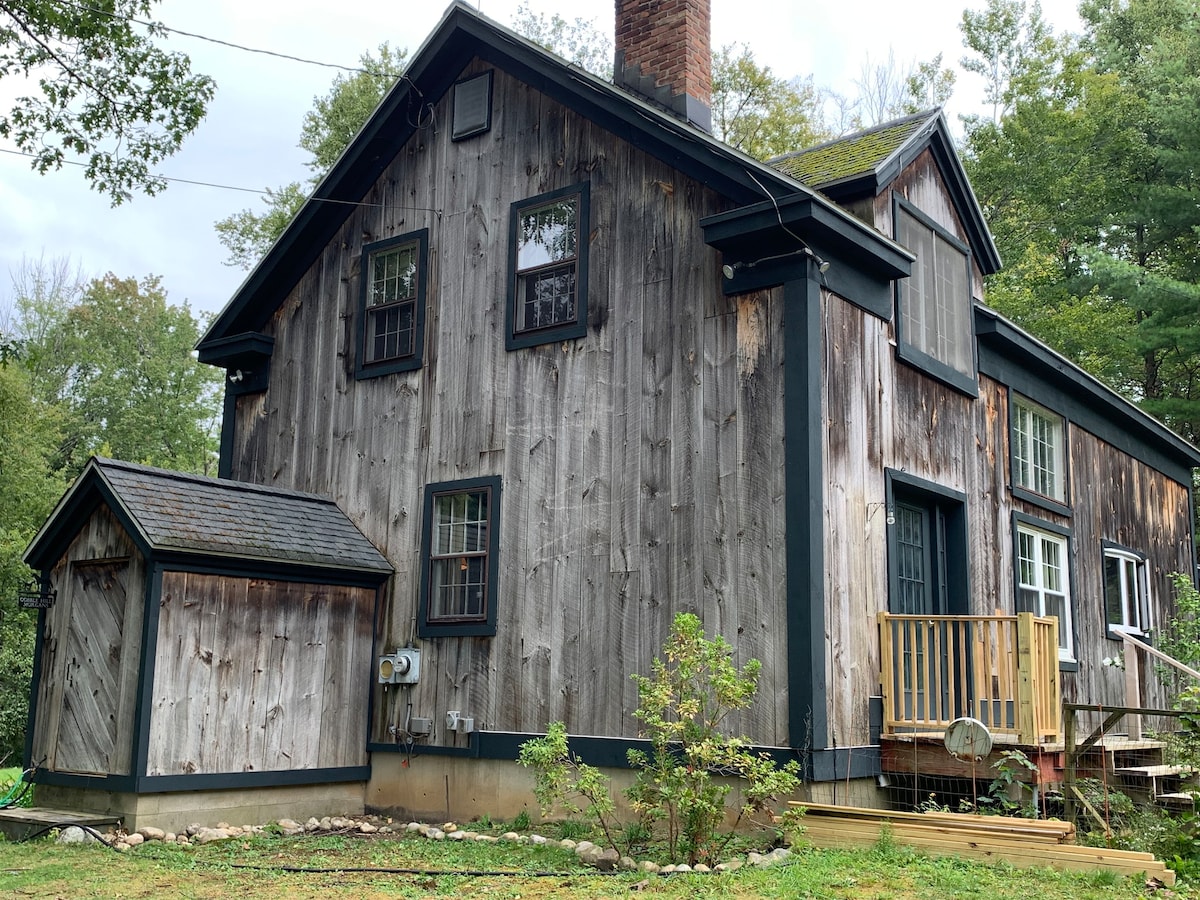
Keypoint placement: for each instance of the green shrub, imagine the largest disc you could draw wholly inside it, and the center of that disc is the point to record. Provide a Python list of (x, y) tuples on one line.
[(684, 782)]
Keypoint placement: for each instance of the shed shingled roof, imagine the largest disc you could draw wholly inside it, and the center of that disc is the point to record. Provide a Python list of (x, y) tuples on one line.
[(852, 156), (176, 512)]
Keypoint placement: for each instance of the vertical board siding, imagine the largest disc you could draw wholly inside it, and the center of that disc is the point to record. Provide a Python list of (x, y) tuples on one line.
[(880, 414), (614, 514), (91, 647), (1130, 504), (254, 675)]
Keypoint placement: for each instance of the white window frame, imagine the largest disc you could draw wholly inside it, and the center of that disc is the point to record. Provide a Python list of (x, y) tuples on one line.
[(1035, 576), (1134, 586), (1039, 455)]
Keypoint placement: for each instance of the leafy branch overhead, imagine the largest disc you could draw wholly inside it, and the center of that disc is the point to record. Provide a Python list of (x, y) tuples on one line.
[(93, 84)]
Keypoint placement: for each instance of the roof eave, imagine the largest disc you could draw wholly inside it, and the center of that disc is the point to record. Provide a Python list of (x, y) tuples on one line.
[(462, 35), (992, 328)]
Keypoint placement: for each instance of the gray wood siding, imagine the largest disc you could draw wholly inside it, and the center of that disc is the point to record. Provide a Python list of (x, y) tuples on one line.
[(90, 653), (879, 414), (641, 466), (1125, 502), (254, 675)]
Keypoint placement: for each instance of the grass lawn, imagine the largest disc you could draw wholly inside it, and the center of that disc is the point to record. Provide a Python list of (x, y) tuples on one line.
[(355, 866)]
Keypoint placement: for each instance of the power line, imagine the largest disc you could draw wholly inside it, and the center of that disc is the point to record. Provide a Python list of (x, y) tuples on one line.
[(212, 40), (245, 190)]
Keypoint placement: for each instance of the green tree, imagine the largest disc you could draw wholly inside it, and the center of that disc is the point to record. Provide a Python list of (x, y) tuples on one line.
[(578, 41), (117, 363), (326, 131), (1087, 177), (90, 84), (759, 113), (888, 90), (29, 437)]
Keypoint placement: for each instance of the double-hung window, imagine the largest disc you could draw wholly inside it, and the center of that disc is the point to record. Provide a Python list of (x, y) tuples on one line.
[(1044, 581), (934, 328), (391, 317), (1126, 591), (459, 558), (1038, 450), (548, 282)]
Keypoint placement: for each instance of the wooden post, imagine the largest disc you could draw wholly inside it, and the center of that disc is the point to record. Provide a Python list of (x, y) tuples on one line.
[(886, 673), (1054, 688), (1070, 760), (1133, 692), (1026, 719)]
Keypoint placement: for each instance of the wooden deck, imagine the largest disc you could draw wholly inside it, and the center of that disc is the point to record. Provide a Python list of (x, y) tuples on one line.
[(1001, 670), (22, 824)]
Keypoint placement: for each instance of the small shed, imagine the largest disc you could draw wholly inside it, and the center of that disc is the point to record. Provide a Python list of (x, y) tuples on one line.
[(207, 635)]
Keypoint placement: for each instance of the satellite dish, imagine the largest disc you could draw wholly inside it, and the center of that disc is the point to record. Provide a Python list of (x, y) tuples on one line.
[(968, 738)]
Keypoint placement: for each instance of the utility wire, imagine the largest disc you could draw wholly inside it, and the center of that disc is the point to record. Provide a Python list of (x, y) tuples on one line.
[(245, 190), (159, 26)]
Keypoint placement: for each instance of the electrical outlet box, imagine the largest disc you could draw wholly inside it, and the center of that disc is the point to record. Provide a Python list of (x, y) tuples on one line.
[(466, 724), (419, 726), (452, 720), (401, 667)]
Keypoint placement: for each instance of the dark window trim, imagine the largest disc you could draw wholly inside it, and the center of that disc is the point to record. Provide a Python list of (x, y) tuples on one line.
[(486, 125), (1061, 507), (1143, 559), (514, 340), (1033, 522), (485, 627), (411, 361), (964, 382), (958, 571)]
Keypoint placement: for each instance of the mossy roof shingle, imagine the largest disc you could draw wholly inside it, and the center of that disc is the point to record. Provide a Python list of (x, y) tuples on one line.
[(853, 156)]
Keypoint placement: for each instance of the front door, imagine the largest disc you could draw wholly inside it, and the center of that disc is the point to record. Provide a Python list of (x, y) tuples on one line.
[(928, 564)]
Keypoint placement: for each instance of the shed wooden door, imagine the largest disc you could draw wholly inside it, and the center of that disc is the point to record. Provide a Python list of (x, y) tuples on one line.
[(87, 731)]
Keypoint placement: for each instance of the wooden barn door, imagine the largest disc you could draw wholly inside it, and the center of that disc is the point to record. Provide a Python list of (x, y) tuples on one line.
[(91, 660)]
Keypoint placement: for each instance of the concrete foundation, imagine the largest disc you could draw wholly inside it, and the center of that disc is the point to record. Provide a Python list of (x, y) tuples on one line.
[(454, 789), (176, 811)]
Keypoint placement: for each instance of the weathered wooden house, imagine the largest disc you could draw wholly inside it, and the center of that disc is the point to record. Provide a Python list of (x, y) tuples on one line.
[(572, 366)]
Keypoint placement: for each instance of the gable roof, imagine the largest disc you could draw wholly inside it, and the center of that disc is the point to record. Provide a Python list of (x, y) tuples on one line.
[(176, 513), (863, 164), (864, 154), (463, 34)]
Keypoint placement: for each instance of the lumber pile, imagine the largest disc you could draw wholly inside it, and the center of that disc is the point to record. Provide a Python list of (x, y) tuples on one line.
[(1021, 842)]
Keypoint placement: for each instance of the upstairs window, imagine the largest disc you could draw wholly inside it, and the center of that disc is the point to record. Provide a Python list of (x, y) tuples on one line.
[(392, 305), (1038, 450), (933, 305), (459, 558), (1126, 591), (1044, 582), (548, 285)]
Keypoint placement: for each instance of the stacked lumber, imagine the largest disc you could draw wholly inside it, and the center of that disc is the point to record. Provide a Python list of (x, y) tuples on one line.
[(1021, 842)]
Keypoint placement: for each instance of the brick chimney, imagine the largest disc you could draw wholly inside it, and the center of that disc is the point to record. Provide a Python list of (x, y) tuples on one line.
[(664, 54)]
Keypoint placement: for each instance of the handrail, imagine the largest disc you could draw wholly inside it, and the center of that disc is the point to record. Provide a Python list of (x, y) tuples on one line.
[(1133, 686), (1001, 669)]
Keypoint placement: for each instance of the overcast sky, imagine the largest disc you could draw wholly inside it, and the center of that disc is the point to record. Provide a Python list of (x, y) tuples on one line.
[(248, 139)]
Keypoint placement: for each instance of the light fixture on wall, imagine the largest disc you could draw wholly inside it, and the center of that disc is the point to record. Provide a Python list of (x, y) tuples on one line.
[(731, 269), (873, 508)]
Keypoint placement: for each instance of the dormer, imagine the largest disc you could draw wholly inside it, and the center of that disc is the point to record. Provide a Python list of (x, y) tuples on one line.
[(905, 179)]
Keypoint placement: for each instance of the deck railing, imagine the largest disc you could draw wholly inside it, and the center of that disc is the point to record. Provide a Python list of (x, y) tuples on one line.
[(1001, 670)]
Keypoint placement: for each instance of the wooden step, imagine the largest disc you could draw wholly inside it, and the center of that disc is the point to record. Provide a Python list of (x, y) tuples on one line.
[(1177, 800), (19, 824), (1160, 771)]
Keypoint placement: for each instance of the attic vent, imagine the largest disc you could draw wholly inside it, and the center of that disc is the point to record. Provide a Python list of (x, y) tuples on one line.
[(472, 106)]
